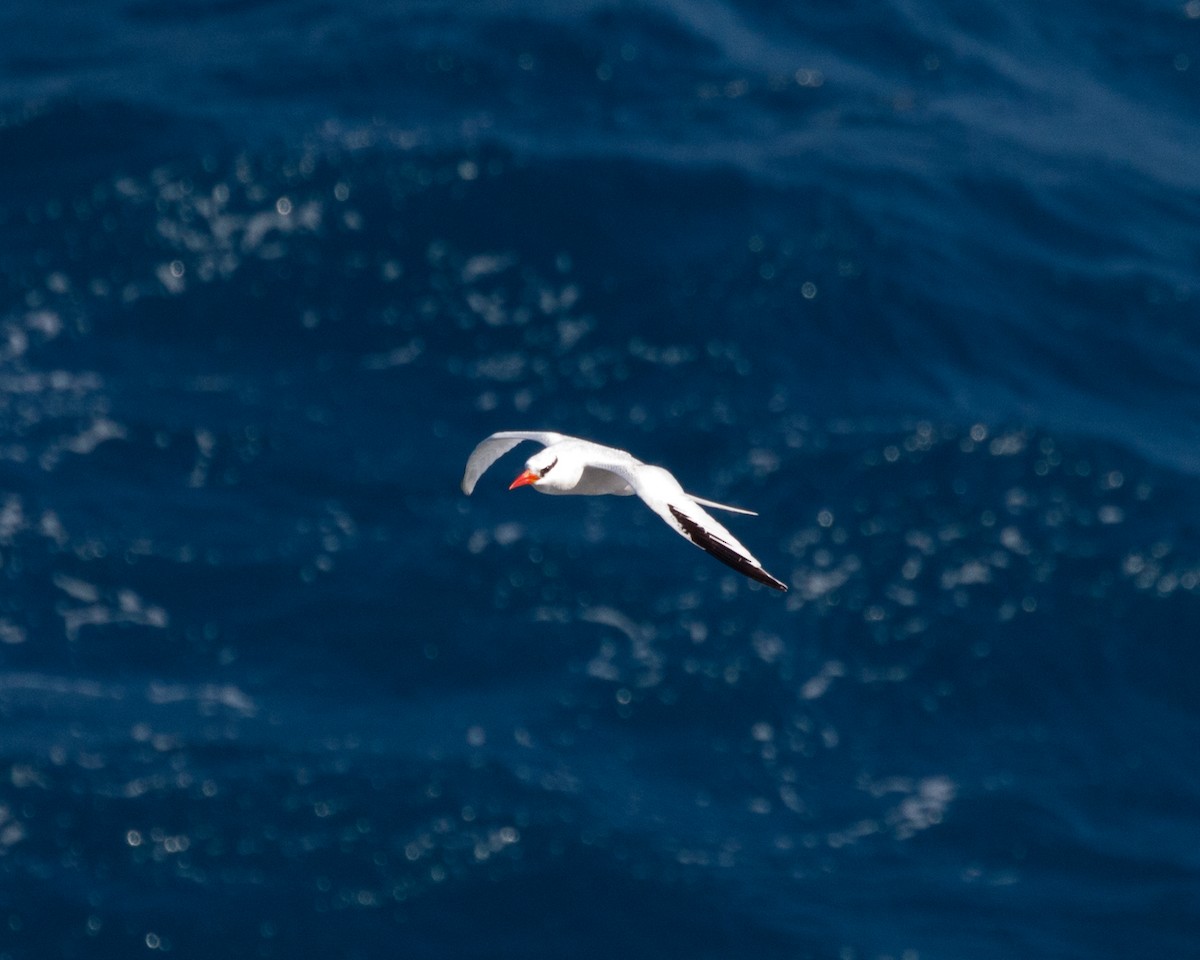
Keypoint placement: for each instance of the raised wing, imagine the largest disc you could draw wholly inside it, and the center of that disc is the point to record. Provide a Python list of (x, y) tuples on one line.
[(496, 446)]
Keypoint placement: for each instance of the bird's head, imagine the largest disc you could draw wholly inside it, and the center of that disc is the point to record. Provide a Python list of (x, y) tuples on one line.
[(543, 469)]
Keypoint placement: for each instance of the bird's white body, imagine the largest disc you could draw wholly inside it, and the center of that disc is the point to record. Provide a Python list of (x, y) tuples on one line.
[(569, 466)]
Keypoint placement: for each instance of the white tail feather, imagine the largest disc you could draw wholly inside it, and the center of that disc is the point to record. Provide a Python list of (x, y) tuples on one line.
[(721, 506)]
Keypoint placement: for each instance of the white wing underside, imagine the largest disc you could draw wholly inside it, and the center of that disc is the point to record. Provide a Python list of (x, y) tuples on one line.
[(496, 446)]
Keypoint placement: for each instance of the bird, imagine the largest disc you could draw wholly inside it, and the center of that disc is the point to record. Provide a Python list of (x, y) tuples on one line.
[(572, 466)]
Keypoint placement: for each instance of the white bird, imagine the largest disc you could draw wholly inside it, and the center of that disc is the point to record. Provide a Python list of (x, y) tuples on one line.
[(569, 465)]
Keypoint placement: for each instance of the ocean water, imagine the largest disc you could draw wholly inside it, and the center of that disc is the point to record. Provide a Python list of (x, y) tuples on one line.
[(918, 282)]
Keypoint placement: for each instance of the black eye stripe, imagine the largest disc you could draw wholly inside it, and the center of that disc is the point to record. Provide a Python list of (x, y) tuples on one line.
[(547, 469)]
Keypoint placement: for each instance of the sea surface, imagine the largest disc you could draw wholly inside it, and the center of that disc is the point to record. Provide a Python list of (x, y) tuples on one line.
[(919, 282)]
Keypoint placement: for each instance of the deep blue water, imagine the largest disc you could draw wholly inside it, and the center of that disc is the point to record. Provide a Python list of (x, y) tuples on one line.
[(919, 282)]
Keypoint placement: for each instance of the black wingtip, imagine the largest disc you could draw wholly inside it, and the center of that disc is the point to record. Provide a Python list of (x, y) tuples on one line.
[(723, 552)]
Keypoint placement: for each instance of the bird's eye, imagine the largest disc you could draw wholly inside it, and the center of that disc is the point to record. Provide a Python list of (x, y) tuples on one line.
[(545, 470)]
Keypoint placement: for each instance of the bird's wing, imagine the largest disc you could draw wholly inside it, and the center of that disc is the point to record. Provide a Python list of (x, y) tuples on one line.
[(695, 523), (661, 492), (496, 446)]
